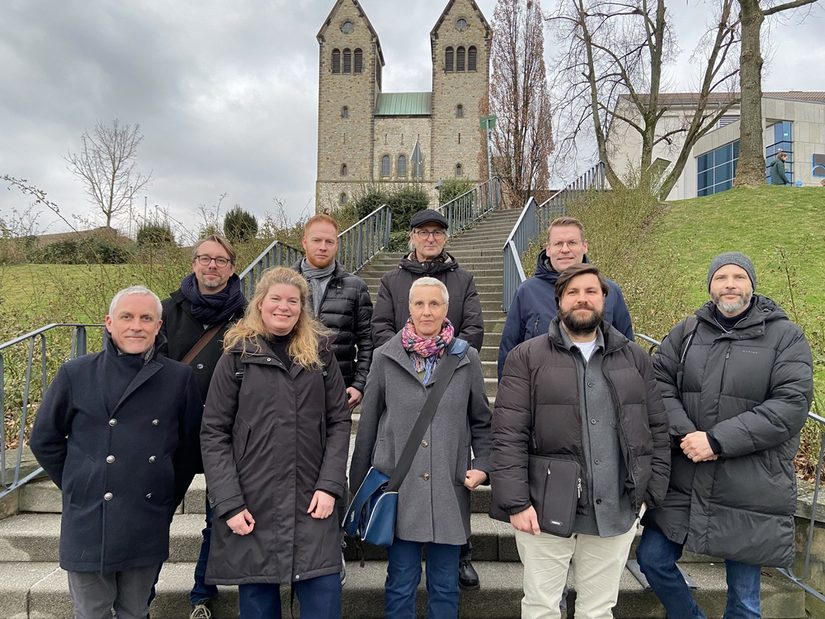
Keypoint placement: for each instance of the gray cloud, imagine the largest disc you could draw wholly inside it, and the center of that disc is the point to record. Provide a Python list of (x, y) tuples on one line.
[(226, 93)]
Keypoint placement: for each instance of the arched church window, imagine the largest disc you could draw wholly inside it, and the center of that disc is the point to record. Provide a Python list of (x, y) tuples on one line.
[(459, 111), (358, 61), (449, 54), (401, 166), (336, 61), (471, 58), (459, 169), (347, 61), (344, 169), (460, 54), (385, 166)]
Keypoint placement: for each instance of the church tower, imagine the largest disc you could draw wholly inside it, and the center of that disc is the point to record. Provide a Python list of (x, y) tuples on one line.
[(349, 65), (460, 45)]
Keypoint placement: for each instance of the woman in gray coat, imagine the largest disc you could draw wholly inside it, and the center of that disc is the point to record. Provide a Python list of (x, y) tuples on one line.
[(434, 499), (274, 440)]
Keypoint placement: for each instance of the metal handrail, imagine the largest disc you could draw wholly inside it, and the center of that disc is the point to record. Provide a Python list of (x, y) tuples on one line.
[(788, 572), (462, 211), (359, 243), (11, 480), (277, 254), (524, 230), (592, 179)]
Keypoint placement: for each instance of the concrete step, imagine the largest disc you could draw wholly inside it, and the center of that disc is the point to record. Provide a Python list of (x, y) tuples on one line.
[(39, 590)]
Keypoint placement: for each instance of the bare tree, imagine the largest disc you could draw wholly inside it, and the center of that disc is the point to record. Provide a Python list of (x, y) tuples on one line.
[(750, 170), (107, 166), (610, 73), (520, 98)]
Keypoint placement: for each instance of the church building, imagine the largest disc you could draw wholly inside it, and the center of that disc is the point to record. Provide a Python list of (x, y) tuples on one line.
[(367, 136)]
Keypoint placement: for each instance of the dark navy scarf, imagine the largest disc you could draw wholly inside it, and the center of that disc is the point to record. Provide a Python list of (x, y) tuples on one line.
[(213, 309)]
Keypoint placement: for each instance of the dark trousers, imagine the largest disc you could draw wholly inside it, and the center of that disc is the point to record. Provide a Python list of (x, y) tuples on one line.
[(657, 557), (404, 574), (95, 595), (201, 592), (320, 598)]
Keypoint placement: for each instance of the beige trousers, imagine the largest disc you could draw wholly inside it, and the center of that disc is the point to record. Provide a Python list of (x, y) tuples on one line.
[(597, 564)]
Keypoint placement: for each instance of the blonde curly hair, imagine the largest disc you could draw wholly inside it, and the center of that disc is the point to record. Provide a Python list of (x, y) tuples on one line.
[(303, 349)]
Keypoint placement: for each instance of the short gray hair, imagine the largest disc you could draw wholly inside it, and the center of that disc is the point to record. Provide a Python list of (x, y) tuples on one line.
[(432, 281), (135, 290)]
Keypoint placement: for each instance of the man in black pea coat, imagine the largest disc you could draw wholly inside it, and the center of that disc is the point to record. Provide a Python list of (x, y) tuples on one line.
[(117, 432), (195, 318)]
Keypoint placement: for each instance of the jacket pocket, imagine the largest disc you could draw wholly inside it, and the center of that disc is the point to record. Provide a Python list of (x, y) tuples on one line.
[(463, 464), (240, 440)]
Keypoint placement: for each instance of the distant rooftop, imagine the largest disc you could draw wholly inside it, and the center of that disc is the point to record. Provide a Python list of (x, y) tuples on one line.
[(716, 98), (404, 104)]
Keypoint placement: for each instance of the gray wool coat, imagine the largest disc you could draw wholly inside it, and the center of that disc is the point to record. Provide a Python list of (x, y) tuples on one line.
[(433, 504)]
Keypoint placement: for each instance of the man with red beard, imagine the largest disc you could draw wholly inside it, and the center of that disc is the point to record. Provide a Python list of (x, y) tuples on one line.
[(583, 394), (737, 381)]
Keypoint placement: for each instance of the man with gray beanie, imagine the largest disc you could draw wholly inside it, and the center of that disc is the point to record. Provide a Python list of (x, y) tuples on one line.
[(737, 381)]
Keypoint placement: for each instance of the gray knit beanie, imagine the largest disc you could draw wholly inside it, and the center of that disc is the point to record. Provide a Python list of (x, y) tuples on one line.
[(732, 257)]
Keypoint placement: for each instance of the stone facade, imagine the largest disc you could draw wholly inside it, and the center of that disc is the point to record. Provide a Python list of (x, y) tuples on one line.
[(359, 133)]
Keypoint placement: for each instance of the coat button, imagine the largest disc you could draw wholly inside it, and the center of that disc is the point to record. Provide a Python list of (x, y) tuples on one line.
[(270, 359), (593, 421), (424, 444), (425, 477), (108, 496), (110, 459), (152, 459), (148, 496), (155, 422), (199, 366), (112, 422)]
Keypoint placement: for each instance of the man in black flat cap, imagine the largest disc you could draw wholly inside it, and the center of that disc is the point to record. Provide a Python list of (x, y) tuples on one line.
[(427, 258)]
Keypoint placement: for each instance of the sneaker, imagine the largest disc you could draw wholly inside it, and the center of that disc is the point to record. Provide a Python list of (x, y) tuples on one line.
[(200, 611)]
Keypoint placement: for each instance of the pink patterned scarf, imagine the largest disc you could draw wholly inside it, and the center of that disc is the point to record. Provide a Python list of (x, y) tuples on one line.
[(425, 351)]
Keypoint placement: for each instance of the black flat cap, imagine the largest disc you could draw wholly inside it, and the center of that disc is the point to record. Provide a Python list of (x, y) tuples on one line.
[(428, 216)]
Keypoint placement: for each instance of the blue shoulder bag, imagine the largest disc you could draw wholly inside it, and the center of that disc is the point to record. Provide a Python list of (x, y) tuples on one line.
[(372, 512)]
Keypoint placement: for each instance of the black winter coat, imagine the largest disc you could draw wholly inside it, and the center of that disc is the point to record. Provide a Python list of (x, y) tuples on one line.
[(750, 390), (182, 330), (122, 473), (346, 310), (392, 305), (538, 391), (269, 441)]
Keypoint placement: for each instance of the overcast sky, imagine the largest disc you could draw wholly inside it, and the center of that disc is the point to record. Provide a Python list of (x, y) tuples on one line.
[(226, 92)]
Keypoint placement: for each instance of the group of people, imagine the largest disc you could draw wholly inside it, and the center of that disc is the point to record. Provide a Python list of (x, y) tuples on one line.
[(589, 436)]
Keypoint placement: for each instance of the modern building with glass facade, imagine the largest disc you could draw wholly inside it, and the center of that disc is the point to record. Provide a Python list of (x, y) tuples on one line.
[(794, 122)]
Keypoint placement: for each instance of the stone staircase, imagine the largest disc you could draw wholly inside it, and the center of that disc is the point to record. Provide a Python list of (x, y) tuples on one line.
[(33, 586)]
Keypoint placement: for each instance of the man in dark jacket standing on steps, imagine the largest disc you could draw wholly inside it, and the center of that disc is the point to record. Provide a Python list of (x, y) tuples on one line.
[(581, 397), (195, 319), (117, 432), (341, 302), (427, 257), (428, 236), (737, 382), (534, 305)]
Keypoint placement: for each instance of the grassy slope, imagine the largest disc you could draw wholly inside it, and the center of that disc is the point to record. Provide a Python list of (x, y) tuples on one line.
[(781, 229)]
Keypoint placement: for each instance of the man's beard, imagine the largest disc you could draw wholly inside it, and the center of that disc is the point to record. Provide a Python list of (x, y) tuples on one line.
[(581, 325), (733, 308)]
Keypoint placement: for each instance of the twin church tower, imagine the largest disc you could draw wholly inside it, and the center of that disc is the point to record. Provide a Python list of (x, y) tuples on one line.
[(367, 136)]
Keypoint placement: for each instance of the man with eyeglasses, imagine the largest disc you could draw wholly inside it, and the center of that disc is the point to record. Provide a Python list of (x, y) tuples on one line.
[(427, 257), (195, 319), (534, 305)]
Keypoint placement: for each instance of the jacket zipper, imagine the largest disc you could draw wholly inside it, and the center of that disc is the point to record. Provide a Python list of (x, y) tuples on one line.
[(623, 442)]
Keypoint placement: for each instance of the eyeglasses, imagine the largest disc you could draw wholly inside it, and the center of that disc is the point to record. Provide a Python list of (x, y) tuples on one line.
[(436, 234), (204, 260)]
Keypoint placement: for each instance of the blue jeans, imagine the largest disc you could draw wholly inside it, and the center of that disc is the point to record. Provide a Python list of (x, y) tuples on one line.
[(320, 598), (657, 557), (202, 592), (404, 574)]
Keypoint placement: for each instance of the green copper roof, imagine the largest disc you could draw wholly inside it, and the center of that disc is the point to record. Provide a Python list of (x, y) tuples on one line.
[(404, 104)]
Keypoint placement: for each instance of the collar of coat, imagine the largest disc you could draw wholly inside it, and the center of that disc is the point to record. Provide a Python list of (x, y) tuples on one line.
[(763, 311), (445, 262), (394, 350), (613, 340)]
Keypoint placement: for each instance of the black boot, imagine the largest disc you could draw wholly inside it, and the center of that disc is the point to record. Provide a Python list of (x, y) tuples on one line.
[(467, 575)]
